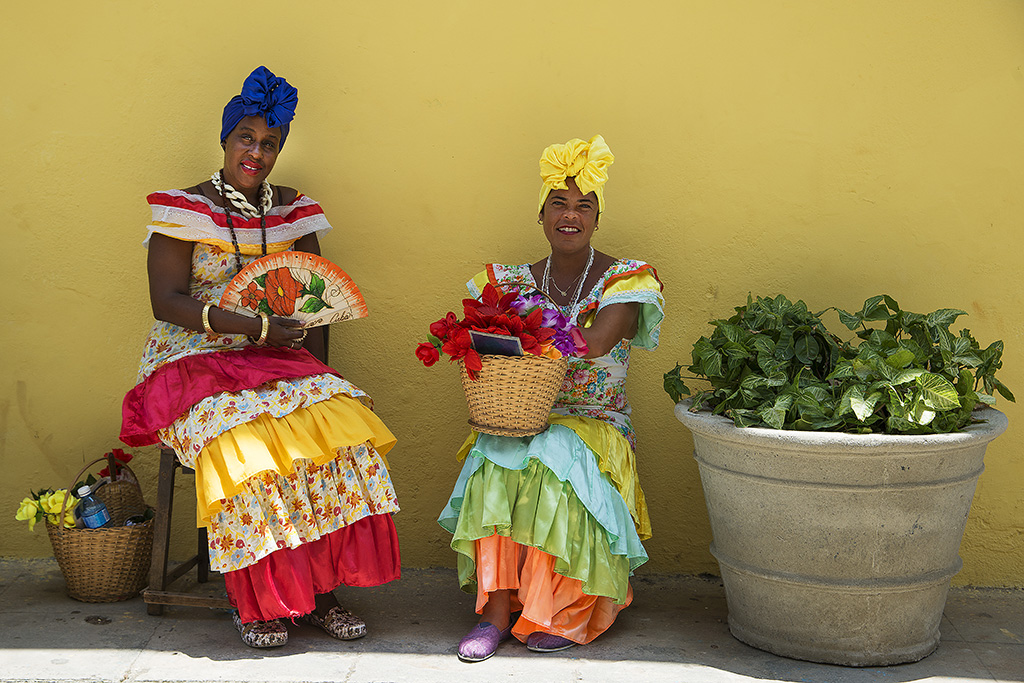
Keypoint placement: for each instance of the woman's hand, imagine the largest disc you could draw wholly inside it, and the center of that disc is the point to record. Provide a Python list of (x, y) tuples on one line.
[(169, 263), (613, 323), (170, 269), (284, 332)]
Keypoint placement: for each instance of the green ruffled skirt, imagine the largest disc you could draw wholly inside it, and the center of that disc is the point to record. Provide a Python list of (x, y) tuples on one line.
[(547, 492)]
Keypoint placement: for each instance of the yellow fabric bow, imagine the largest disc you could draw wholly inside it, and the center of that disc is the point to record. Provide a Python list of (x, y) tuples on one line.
[(588, 162)]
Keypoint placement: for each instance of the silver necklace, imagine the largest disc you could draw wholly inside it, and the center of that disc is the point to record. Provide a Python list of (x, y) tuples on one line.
[(579, 288), (565, 292), (239, 201)]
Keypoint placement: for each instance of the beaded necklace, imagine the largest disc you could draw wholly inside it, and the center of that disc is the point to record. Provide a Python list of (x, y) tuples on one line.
[(225, 189)]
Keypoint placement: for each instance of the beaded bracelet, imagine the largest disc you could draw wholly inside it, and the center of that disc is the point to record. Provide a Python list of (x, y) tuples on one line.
[(206, 318)]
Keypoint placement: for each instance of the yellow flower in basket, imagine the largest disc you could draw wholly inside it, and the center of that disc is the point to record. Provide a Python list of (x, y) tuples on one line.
[(52, 503), (28, 511), (45, 503), (48, 503)]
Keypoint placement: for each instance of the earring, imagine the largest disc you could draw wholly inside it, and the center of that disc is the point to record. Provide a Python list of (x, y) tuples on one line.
[(540, 221)]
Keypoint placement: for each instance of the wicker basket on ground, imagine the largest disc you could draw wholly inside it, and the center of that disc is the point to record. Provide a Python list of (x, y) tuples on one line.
[(108, 564)]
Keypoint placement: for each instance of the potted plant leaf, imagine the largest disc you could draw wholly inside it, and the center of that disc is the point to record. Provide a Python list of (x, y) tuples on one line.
[(838, 475)]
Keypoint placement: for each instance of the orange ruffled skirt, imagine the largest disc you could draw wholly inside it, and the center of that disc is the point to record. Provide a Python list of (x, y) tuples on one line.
[(549, 602), (549, 519)]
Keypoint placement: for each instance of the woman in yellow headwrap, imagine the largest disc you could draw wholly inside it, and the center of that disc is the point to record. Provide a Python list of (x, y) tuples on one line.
[(550, 526)]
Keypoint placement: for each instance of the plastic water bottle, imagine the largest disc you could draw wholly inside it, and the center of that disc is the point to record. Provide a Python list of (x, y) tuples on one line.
[(93, 512)]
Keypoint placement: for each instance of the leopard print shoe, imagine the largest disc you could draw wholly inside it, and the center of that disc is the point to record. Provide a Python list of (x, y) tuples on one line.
[(261, 633), (339, 623)]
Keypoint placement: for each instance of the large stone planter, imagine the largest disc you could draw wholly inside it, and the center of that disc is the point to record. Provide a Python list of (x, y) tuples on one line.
[(837, 548)]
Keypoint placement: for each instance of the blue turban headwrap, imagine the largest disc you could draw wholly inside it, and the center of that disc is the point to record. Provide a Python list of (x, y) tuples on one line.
[(266, 95)]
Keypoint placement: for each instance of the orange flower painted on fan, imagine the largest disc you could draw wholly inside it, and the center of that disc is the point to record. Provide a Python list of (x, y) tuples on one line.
[(282, 291), (251, 296)]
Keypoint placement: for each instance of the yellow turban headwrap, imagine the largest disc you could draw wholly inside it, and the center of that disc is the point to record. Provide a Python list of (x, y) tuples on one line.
[(588, 162)]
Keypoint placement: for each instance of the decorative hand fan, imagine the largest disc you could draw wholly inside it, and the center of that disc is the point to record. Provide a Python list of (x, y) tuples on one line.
[(296, 285)]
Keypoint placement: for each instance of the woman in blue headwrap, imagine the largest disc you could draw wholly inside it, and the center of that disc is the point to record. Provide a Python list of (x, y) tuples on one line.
[(291, 480)]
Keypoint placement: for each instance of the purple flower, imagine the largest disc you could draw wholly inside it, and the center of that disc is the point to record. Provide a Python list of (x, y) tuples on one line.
[(554, 320), (524, 304), (563, 341)]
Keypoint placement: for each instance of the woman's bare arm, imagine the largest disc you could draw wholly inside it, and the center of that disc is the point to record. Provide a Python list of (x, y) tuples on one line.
[(170, 267), (612, 324)]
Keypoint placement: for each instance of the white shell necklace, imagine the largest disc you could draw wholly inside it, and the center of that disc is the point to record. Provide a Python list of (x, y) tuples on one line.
[(238, 199), (579, 288)]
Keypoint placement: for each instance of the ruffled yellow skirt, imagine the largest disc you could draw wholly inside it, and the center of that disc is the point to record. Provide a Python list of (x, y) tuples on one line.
[(275, 483)]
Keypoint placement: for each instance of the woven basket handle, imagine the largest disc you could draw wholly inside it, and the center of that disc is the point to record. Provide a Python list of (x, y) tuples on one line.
[(109, 457), (527, 285)]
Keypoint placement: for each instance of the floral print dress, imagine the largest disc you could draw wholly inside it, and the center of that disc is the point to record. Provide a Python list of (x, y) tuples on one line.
[(596, 387), (279, 463), (571, 491)]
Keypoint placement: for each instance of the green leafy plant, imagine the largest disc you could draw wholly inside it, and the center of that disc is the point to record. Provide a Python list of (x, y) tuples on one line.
[(774, 364)]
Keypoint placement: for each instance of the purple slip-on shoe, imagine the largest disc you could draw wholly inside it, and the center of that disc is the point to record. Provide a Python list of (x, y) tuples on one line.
[(482, 641), (538, 641)]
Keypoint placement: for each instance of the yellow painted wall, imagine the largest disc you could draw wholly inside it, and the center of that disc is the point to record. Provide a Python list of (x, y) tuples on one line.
[(826, 150)]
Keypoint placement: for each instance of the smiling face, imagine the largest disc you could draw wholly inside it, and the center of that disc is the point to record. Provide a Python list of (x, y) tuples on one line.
[(569, 218), (250, 151)]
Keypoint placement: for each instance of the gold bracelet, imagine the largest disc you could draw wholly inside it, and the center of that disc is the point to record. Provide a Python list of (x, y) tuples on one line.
[(266, 328), (206, 319)]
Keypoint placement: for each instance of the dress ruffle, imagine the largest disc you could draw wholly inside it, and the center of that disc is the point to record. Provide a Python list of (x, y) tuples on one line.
[(276, 483), (283, 584), (640, 286), (195, 218), (173, 388), (546, 492), (272, 512), (614, 457), (315, 432), (549, 602)]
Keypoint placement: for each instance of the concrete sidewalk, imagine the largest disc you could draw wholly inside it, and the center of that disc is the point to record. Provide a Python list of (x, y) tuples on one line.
[(675, 631)]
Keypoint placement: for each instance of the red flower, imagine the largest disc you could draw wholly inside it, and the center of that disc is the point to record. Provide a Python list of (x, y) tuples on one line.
[(493, 313), (427, 353), (457, 343), (535, 333), (473, 363), (282, 291), (251, 296), (443, 327), (515, 325), (119, 455), (491, 302)]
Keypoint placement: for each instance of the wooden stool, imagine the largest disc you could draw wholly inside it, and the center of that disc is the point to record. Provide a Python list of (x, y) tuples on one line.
[(160, 578)]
